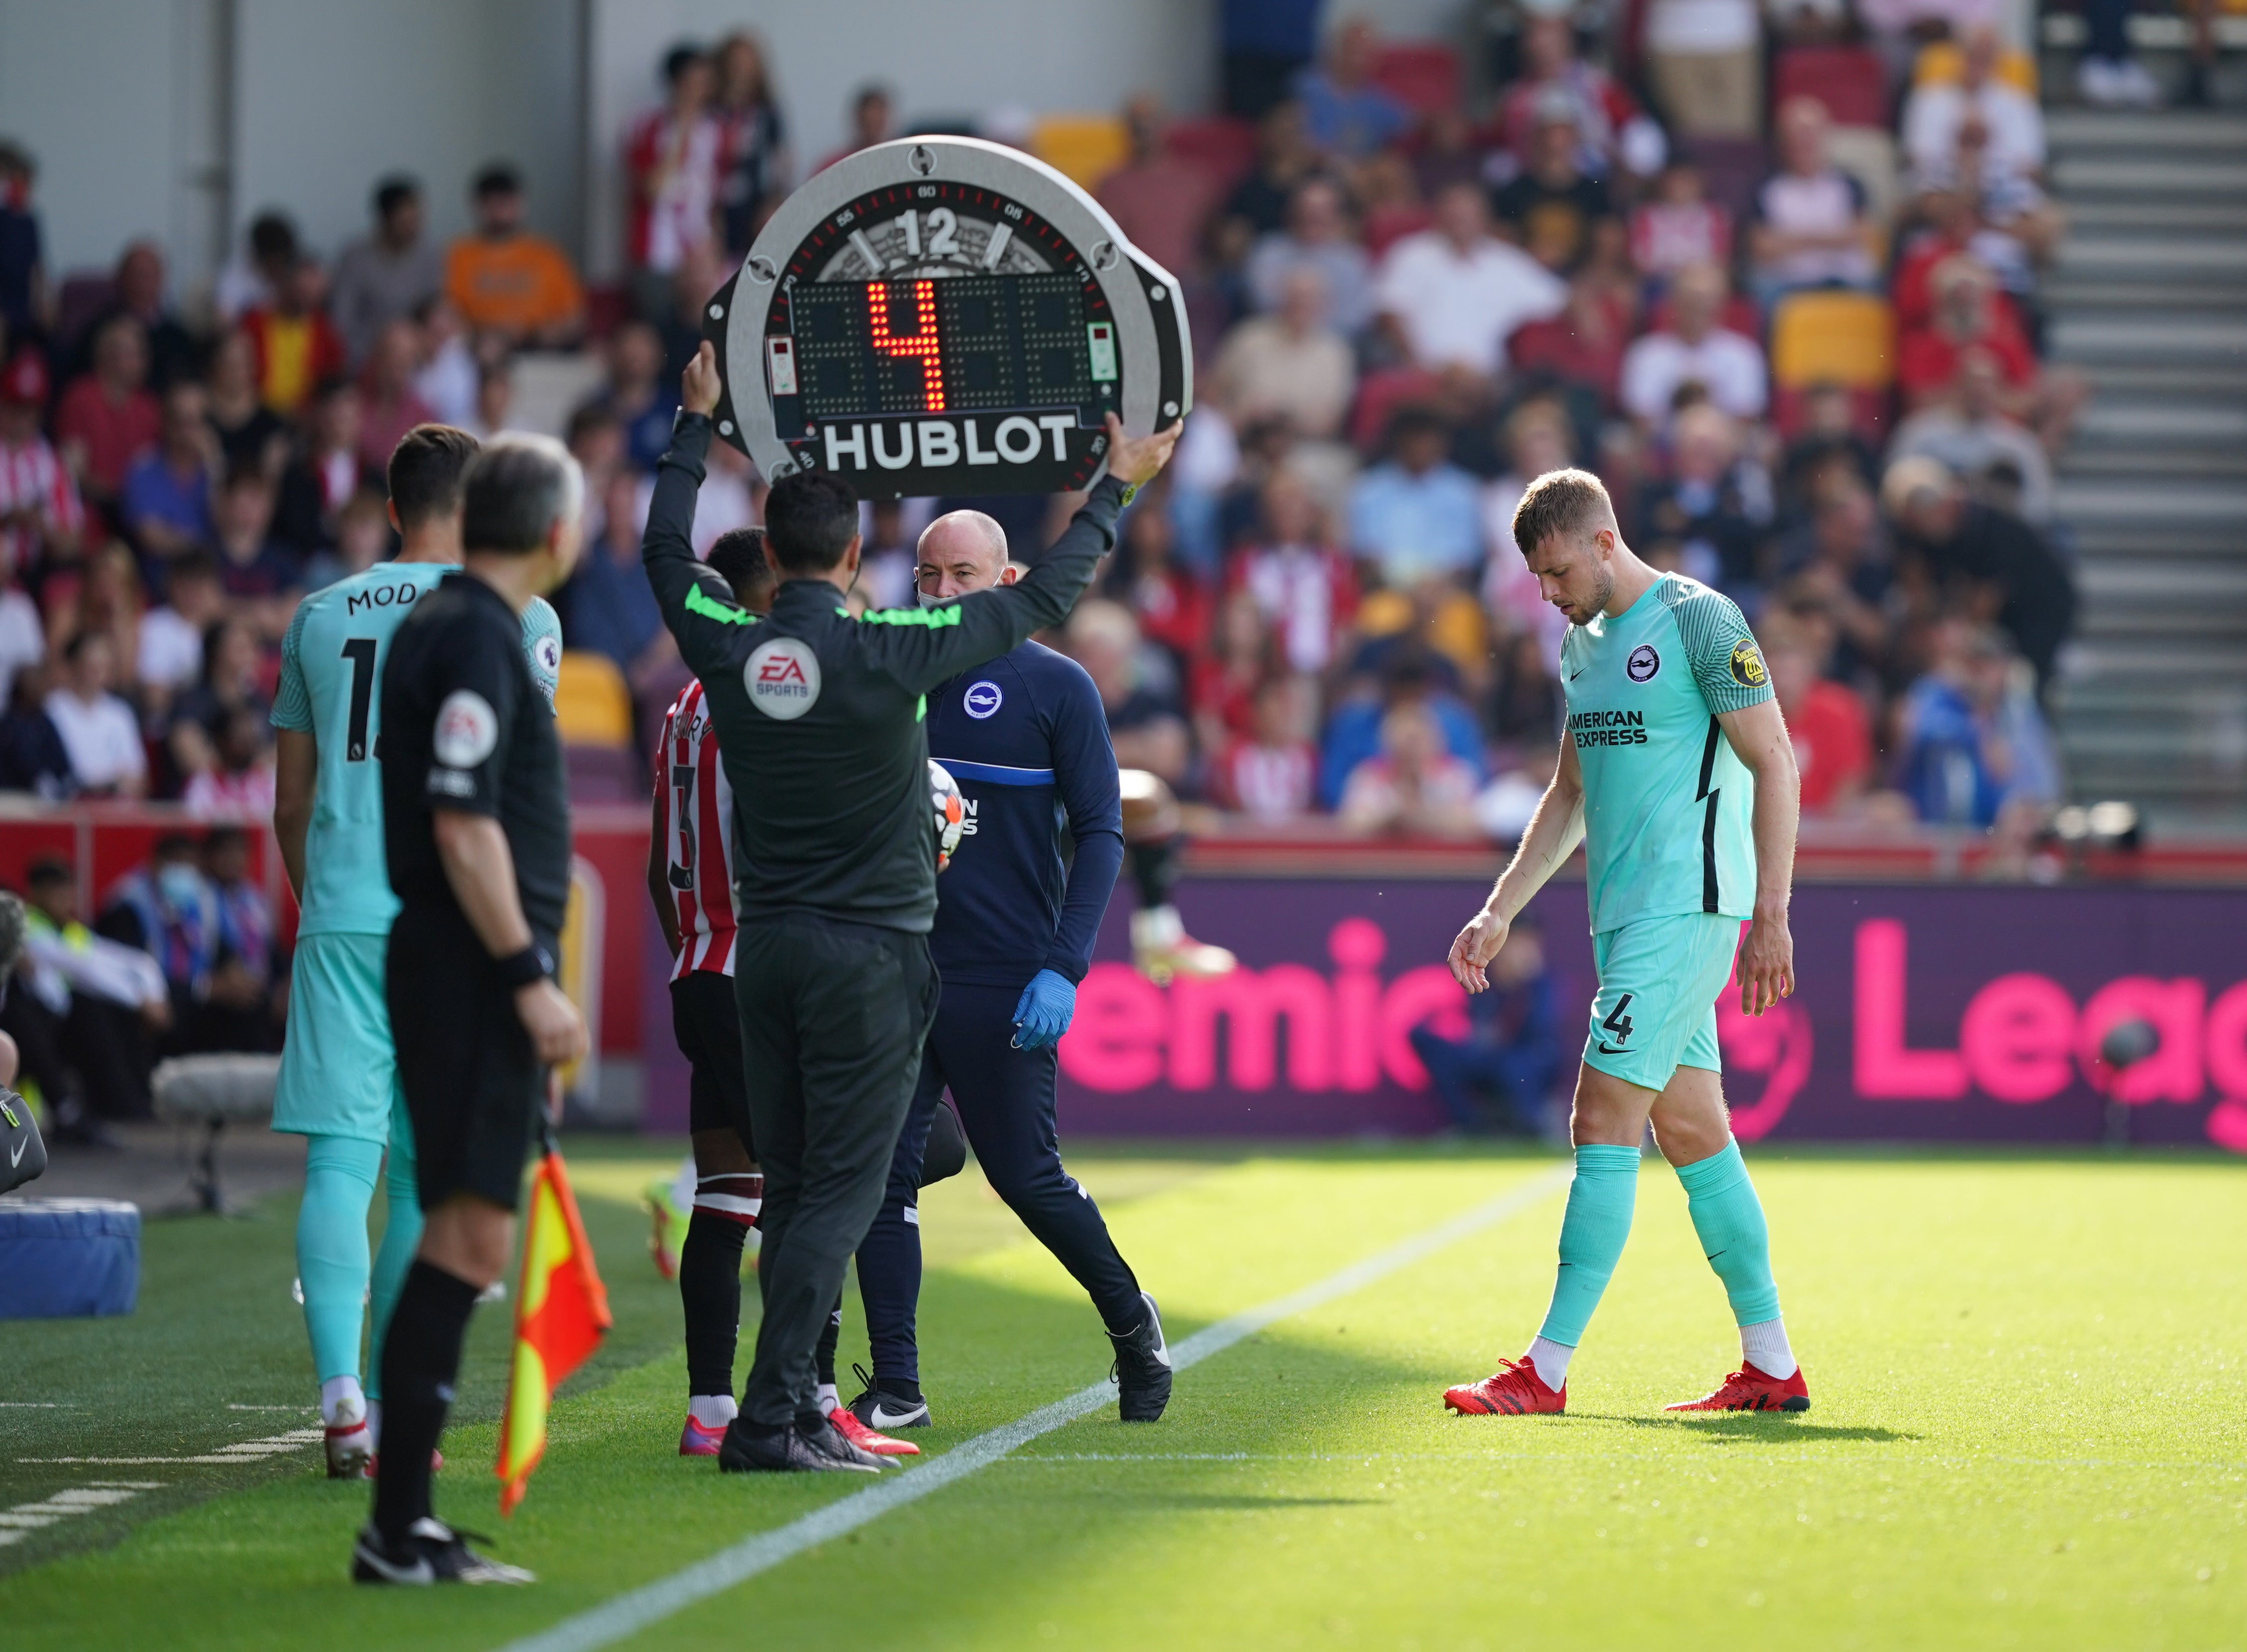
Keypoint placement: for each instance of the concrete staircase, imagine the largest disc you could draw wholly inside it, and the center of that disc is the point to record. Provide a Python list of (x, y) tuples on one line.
[(2149, 299)]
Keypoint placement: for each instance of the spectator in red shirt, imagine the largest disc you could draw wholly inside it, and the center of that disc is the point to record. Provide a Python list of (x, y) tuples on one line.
[(1680, 227), (107, 416), (41, 516), (672, 158), (1271, 773), (1614, 134), (1161, 199), (1832, 735), (1582, 346), (1168, 601), (1304, 589), (1968, 315), (392, 405), (1243, 653)]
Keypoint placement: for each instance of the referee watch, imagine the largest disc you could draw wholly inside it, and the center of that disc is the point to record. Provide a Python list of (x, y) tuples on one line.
[(526, 968)]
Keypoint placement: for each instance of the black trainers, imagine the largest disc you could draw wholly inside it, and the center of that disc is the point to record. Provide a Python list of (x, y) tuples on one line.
[(830, 1441), (1142, 1371), (432, 1552), (884, 1412), (791, 1450)]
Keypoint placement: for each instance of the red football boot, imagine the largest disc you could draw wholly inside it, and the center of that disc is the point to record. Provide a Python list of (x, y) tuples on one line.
[(697, 1439), (866, 1439), (1514, 1389), (1749, 1389)]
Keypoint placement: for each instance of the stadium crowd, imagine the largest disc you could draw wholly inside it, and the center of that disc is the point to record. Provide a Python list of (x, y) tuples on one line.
[(1773, 273)]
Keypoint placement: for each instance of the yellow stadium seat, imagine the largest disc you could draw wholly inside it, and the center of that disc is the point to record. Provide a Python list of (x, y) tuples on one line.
[(591, 704), (1941, 63), (1846, 338), (1086, 148)]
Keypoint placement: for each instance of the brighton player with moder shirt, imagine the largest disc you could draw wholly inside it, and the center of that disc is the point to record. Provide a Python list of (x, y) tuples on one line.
[(1677, 774)]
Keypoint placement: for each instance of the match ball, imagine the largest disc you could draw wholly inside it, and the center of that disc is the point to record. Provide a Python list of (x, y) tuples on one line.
[(951, 811)]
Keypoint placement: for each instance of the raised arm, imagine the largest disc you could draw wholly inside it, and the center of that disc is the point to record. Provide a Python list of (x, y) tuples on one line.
[(922, 647), (1759, 738), (697, 605), (1554, 831)]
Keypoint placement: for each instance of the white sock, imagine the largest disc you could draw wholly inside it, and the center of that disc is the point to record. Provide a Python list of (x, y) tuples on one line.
[(1550, 1360), (1764, 1346), (374, 1425), (712, 1411), (829, 1399), (341, 1402)]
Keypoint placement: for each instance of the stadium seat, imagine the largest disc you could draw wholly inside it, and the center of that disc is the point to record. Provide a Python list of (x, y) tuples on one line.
[(1423, 75), (1381, 393), (1941, 63), (1385, 226), (1221, 146), (591, 704), (1845, 338), (1085, 148), (1849, 80)]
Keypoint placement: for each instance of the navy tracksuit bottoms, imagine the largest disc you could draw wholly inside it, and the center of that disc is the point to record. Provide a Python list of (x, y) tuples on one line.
[(1004, 1099)]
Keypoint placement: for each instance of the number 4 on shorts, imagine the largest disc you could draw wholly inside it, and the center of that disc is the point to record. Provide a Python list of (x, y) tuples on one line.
[(1618, 1023)]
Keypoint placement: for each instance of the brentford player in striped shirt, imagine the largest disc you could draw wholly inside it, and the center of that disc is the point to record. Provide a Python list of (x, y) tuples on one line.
[(690, 875)]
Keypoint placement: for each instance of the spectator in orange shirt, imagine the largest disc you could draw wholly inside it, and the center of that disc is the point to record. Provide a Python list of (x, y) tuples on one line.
[(505, 280), (107, 417), (296, 344)]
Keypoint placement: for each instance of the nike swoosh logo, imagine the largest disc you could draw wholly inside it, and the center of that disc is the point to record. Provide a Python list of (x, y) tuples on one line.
[(903, 1419), (1613, 1049), (1574, 675), (16, 1158)]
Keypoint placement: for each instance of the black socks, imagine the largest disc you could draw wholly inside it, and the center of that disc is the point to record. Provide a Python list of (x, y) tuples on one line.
[(710, 1291), (420, 1358), (1155, 870)]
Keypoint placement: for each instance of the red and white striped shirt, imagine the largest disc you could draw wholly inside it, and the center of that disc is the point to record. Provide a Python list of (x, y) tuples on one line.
[(696, 809), (32, 478)]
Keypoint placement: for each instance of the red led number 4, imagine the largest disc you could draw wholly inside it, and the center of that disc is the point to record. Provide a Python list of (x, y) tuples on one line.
[(921, 344)]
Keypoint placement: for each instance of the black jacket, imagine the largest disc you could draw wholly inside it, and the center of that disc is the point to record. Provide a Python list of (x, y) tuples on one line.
[(820, 718)]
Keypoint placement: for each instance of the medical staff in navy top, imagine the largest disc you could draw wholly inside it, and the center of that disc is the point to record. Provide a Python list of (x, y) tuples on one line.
[(1024, 737)]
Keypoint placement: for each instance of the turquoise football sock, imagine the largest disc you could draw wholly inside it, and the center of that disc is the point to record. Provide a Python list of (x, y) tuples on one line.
[(1601, 1198), (1729, 1217), (331, 1259), (401, 1238)]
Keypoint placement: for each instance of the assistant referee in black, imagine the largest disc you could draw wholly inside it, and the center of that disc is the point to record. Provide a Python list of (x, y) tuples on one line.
[(477, 829), (820, 725)]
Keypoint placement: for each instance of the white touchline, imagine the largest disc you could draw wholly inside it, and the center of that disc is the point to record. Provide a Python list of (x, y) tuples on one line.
[(629, 1613)]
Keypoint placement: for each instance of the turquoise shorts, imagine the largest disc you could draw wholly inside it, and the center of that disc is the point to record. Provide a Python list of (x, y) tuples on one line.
[(1656, 1010), (339, 1071)]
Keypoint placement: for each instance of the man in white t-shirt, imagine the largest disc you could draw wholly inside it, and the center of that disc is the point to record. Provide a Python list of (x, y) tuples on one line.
[(1452, 295), (171, 639), (1810, 228), (1694, 349), (1933, 117), (98, 731)]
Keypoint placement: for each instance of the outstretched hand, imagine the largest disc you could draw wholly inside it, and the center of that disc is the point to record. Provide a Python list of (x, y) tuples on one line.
[(700, 385), (1477, 944), (1136, 459)]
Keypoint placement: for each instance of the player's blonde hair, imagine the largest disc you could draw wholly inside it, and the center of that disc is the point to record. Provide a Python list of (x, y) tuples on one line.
[(1560, 502)]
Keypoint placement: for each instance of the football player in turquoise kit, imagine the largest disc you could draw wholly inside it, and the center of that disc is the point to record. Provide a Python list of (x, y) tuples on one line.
[(338, 1085), (1677, 774), (1025, 738)]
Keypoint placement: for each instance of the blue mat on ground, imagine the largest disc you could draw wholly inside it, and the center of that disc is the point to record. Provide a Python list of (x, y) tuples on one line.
[(68, 1258)]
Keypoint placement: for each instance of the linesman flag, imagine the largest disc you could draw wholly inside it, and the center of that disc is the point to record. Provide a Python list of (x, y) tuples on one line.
[(561, 1312)]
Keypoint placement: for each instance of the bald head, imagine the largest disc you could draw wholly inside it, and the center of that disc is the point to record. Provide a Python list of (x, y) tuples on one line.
[(961, 551)]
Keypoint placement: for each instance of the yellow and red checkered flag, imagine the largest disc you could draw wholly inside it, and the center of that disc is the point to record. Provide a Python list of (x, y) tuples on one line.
[(561, 1312)]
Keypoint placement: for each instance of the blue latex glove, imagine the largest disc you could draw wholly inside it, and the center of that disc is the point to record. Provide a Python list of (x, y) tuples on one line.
[(1043, 1014)]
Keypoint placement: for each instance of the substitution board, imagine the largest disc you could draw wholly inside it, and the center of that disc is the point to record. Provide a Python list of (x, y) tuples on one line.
[(945, 316)]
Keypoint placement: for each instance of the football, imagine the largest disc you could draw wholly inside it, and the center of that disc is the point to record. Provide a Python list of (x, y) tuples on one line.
[(951, 811)]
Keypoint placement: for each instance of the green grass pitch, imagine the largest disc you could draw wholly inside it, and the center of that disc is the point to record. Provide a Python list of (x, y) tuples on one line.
[(2030, 1430)]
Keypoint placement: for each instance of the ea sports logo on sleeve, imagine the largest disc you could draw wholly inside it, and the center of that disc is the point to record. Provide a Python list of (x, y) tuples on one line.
[(782, 678), (1642, 664), (982, 700), (467, 729)]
